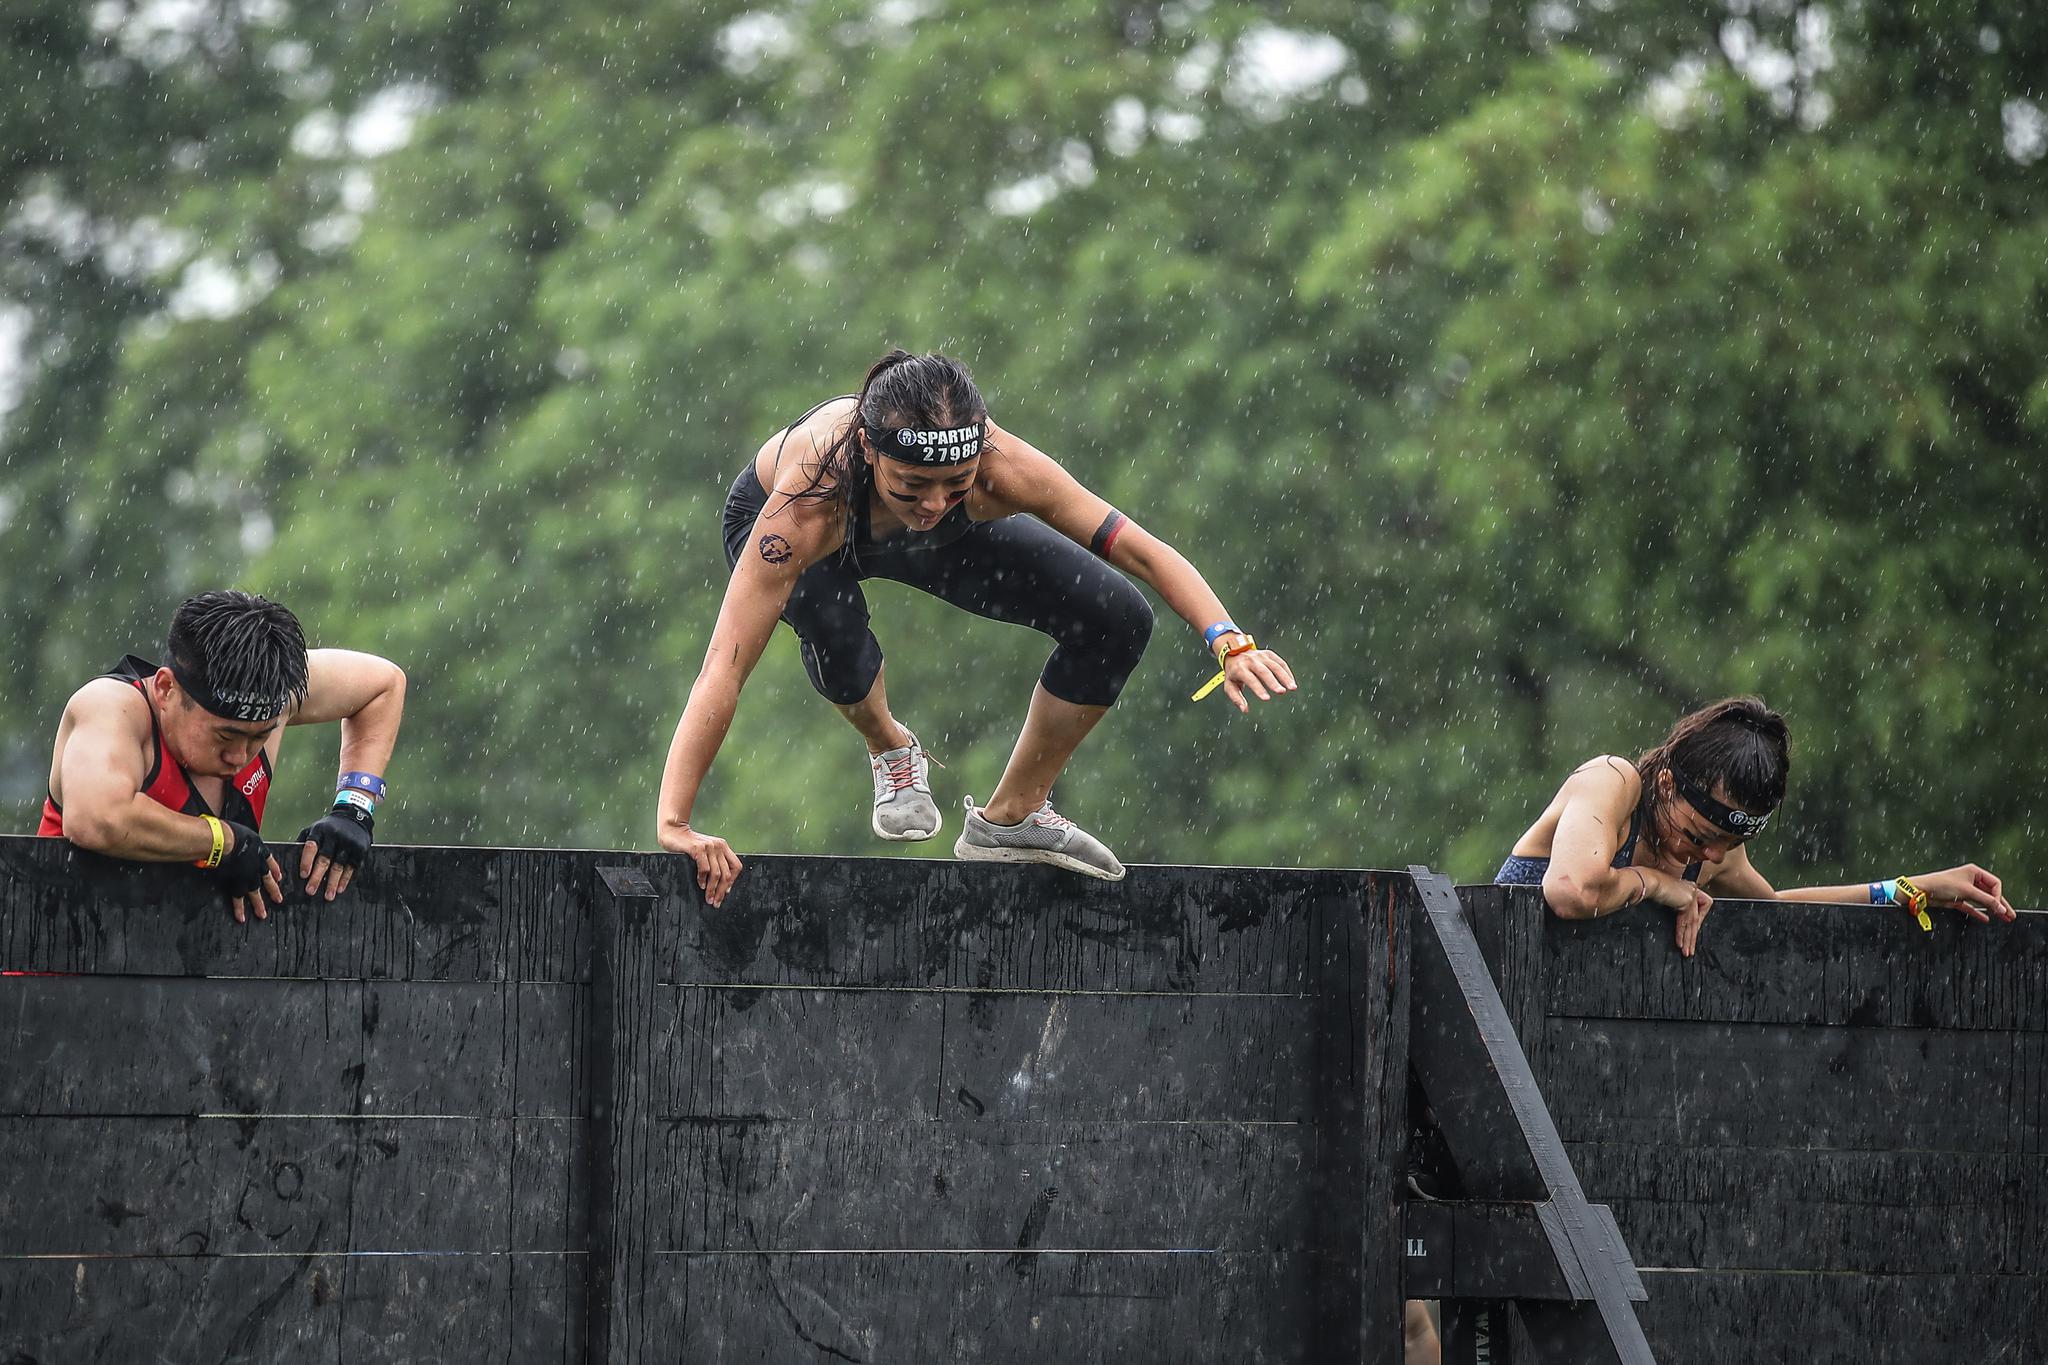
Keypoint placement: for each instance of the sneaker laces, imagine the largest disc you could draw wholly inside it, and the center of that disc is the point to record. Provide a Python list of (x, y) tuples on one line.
[(898, 774), (1051, 818)]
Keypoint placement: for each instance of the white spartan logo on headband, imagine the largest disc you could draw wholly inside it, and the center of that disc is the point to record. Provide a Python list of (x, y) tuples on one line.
[(949, 446)]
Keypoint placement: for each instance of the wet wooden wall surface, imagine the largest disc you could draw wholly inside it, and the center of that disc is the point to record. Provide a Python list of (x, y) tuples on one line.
[(350, 1133), (1006, 1114), (876, 1110), (1824, 1137)]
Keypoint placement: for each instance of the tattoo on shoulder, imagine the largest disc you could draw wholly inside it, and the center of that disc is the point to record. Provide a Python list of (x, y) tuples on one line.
[(775, 549)]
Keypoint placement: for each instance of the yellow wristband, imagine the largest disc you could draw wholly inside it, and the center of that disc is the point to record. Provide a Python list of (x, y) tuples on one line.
[(1914, 899), (1247, 645), (220, 842)]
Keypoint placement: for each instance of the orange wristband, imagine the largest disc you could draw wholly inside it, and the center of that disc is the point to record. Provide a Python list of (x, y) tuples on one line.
[(1915, 901)]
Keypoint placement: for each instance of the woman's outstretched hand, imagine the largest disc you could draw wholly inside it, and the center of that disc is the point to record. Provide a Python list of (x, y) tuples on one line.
[(718, 867), (1259, 671), (1970, 889)]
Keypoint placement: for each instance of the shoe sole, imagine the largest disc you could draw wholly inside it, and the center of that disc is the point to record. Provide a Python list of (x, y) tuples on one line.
[(976, 853), (875, 824)]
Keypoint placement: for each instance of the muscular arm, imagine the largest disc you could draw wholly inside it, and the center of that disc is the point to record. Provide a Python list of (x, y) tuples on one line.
[(796, 535), (1582, 881), (101, 774), (366, 694)]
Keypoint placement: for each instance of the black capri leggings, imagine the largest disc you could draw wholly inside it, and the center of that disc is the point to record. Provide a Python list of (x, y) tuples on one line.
[(1017, 570)]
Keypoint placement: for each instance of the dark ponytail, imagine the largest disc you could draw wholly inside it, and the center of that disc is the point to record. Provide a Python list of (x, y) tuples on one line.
[(901, 390), (1737, 743)]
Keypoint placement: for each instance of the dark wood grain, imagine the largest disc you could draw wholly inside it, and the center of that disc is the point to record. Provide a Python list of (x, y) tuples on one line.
[(624, 1217), (1773, 1085), (1767, 962), (1899, 1212), (751, 1185), (1823, 1136), (1742, 1317), (961, 926), (227, 1186), (1058, 1308), (457, 1115), (412, 914), (73, 1045)]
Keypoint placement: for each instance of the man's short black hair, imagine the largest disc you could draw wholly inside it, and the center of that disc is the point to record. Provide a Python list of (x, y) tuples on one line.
[(236, 644)]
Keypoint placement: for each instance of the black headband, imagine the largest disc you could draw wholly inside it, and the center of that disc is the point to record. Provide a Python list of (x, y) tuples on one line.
[(1739, 823), (913, 445), (250, 706)]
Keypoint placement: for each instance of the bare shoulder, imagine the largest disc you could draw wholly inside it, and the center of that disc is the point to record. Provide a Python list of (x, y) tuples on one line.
[(1607, 775), (792, 460), (1017, 476), (1009, 458), (327, 664), (108, 704)]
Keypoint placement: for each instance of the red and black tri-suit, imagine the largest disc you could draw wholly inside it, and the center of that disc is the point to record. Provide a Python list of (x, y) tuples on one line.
[(167, 783)]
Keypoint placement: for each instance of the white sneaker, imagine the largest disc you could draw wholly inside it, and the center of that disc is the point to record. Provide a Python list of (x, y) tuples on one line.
[(1044, 836), (904, 809)]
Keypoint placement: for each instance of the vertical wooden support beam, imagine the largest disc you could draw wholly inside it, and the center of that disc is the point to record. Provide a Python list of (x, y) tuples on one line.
[(1361, 1111), (1508, 922), (1390, 910), (622, 1137)]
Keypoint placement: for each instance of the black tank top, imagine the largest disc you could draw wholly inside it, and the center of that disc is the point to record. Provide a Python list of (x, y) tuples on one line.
[(243, 796)]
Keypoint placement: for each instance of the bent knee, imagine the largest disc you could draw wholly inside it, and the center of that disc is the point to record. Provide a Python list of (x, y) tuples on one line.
[(1117, 614), (1137, 615)]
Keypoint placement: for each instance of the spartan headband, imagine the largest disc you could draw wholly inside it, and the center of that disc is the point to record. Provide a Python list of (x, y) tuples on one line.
[(251, 706), (1739, 823), (954, 445)]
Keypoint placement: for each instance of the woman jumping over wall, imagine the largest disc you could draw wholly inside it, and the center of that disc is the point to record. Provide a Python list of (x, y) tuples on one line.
[(910, 480)]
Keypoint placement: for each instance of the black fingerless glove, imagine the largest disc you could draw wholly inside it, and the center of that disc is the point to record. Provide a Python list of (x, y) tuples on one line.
[(243, 867), (342, 835)]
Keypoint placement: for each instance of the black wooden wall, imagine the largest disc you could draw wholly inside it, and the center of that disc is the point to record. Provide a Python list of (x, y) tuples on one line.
[(870, 1110), (350, 1133), (997, 1114), (1825, 1137)]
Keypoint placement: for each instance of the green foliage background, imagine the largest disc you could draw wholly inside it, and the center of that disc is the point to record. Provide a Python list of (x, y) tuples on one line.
[(1543, 371)]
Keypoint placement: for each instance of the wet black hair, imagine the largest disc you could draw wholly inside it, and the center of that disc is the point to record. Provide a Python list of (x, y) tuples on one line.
[(236, 644), (1737, 744), (901, 390)]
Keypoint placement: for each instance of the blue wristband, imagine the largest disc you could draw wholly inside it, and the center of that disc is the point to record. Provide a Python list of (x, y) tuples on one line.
[(362, 782), (1215, 632), (357, 797), (1881, 894)]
